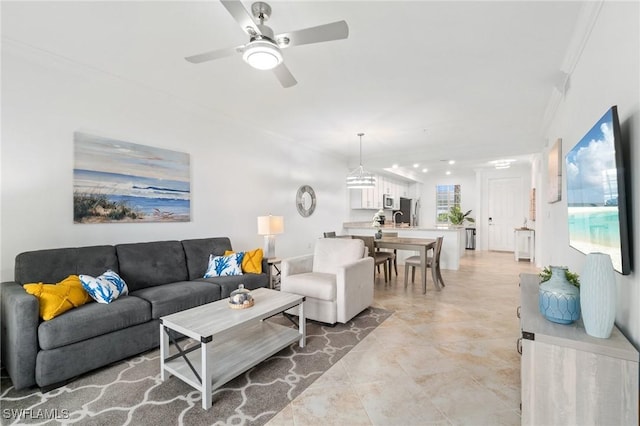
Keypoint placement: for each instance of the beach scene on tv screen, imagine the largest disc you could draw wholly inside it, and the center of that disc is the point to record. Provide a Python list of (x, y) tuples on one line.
[(592, 193)]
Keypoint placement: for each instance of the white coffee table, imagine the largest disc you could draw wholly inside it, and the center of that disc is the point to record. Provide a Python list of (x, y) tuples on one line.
[(231, 340)]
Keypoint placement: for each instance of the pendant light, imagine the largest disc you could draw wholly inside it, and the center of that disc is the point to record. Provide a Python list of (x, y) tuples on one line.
[(360, 178)]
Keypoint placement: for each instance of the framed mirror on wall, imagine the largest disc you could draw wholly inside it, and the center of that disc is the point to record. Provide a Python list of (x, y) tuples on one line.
[(306, 201)]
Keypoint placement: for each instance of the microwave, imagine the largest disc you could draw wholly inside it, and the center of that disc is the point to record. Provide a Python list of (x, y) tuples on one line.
[(387, 201)]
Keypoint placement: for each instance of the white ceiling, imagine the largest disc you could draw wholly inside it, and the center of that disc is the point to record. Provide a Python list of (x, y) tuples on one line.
[(424, 80)]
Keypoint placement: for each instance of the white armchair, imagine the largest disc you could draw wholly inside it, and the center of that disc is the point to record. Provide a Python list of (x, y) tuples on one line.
[(337, 280)]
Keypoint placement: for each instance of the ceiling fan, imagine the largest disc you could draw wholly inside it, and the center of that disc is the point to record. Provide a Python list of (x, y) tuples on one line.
[(263, 51)]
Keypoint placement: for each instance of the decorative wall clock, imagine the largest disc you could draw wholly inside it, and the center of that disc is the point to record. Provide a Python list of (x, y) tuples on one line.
[(305, 200)]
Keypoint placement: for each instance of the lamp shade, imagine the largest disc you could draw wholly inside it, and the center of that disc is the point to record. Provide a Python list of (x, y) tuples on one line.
[(270, 225)]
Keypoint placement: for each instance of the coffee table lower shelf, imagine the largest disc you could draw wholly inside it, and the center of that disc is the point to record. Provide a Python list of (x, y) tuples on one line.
[(227, 359)]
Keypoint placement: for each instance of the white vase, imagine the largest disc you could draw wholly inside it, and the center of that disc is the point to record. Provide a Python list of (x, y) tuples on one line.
[(598, 295)]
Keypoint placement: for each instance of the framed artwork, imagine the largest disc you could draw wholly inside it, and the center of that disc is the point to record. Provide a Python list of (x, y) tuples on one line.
[(555, 173), (116, 181), (532, 204)]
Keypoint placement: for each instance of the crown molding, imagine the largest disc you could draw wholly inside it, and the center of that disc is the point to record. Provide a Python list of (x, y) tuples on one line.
[(587, 19)]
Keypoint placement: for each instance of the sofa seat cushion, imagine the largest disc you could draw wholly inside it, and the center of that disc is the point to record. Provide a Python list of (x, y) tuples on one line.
[(170, 298), (230, 283), (91, 320), (318, 285)]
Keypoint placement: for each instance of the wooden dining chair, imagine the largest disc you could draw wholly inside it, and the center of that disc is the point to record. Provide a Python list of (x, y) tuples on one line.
[(394, 251), (433, 262), (379, 257)]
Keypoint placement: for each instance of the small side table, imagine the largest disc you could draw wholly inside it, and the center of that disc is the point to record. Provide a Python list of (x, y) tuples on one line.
[(529, 235), (274, 279)]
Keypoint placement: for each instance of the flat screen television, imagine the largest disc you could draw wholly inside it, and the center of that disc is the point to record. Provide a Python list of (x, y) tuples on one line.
[(596, 196)]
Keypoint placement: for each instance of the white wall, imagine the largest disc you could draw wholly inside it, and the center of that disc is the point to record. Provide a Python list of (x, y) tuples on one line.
[(237, 173), (606, 73)]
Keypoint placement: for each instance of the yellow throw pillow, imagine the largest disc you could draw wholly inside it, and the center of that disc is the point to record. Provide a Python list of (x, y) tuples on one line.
[(56, 299), (251, 262)]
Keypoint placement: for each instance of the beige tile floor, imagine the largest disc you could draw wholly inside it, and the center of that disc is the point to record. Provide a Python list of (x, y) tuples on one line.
[(445, 358)]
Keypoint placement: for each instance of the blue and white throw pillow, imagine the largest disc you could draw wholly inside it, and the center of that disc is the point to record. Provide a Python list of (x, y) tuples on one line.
[(222, 266), (106, 288)]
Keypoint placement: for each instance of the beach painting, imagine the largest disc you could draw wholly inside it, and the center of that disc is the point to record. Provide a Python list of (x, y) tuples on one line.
[(116, 182)]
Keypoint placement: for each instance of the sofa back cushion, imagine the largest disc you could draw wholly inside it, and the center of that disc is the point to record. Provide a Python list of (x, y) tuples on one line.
[(331, 253), (52, 266), (145, 265), (197, 253)]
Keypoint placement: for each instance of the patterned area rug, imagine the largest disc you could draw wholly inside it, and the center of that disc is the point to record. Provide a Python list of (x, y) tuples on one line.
[(131, 393)]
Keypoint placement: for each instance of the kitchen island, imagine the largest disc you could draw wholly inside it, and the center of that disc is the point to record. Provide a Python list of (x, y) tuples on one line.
[(453, 245)]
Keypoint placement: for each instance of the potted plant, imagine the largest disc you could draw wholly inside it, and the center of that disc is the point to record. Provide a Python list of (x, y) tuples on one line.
[(572, 277), (456, 217)]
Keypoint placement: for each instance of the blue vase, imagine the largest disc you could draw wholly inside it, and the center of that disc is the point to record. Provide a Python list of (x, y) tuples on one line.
[(558, 299)]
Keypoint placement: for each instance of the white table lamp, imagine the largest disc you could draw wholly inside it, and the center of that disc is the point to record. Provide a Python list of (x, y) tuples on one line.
[(269, 226)]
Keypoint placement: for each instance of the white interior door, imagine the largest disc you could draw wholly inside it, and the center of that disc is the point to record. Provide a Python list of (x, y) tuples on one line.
[(506, 212)]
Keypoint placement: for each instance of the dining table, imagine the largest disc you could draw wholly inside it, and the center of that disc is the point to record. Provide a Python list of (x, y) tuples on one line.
[(421, 245)]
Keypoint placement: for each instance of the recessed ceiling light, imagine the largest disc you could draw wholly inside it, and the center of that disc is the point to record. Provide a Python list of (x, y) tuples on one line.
[(425, 170), (395, 166), (416, 165), (448, 172), (452, 161)]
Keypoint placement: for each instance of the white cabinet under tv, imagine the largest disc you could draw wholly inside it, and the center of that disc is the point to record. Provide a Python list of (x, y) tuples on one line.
[(569, 377)]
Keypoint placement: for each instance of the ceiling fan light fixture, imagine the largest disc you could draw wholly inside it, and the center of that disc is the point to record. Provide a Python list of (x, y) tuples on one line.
[(360, 178), (262, 55), (502, 164)]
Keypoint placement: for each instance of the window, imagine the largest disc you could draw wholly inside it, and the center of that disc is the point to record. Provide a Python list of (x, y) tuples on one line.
[(447, 196)]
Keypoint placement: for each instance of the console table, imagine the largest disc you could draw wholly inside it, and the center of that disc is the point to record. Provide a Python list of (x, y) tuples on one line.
[(529, 236), (569, 377)]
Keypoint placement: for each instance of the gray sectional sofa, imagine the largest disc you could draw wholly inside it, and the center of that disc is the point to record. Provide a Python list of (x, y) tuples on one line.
[(163, 277)]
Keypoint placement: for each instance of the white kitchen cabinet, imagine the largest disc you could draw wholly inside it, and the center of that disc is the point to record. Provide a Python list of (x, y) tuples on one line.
[(380, 185), (569, 377), (366, 198), (371, 198)]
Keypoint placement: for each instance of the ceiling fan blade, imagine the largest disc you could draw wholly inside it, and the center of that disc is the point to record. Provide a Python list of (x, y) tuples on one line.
[(242, 16), (334, 31), (284, 76), (214, 54)]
